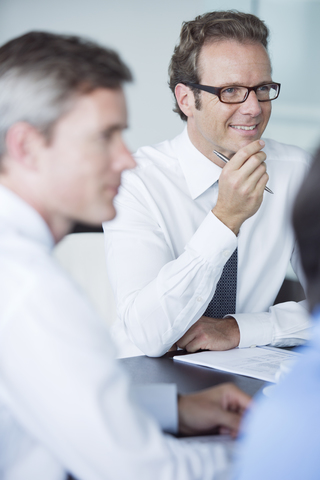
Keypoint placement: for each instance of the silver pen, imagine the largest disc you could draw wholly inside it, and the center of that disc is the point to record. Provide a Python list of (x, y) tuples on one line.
[(226, 160)]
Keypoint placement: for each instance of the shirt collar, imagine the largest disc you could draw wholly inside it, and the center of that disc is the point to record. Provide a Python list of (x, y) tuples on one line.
[(200, 173), (16, 214)]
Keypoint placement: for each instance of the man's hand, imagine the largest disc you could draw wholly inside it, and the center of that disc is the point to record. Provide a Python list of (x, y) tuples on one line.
[(218, 408), (241, 186), (211, 334)]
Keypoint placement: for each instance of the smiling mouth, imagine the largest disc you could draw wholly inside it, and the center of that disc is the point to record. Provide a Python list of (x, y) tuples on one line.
[(243, 127)]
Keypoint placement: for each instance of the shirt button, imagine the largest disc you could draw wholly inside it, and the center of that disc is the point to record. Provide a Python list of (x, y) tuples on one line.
[(199, 299), (226, 253), (253, 346)]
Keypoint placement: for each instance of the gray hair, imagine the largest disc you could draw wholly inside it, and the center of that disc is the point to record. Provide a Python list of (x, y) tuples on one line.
[(41, 75)]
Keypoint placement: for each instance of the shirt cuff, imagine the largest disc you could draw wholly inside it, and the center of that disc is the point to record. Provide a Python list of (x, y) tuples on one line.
[(213, 237), (161, 402), (255, 329)]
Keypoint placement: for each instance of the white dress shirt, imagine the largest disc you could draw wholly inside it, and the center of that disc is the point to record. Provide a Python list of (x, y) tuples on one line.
[(166, 249), (65, 403)]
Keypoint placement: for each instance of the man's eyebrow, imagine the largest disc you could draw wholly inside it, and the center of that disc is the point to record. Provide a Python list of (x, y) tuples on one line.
[(114, 128), (238, 84)]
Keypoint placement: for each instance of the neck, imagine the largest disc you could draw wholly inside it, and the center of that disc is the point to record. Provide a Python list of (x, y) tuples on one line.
[(206, 148), (58, 225)]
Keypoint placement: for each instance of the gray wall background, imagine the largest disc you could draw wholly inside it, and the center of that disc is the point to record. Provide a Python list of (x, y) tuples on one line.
[(145, 33)]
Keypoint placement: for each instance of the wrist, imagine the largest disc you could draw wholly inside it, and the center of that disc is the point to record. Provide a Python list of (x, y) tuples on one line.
[(232, 223), (234, 330)]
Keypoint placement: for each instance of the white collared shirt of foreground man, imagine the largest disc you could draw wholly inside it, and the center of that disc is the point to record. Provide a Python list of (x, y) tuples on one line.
[(65, 403), (63, 379)]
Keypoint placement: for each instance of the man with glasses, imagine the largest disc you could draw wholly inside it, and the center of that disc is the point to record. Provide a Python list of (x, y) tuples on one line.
[(210, 239)]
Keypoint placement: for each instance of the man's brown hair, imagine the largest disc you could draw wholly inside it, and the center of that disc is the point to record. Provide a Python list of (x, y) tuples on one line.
[(210, 27)]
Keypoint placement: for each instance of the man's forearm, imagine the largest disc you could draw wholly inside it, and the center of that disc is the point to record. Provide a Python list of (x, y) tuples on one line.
[(160, 297)]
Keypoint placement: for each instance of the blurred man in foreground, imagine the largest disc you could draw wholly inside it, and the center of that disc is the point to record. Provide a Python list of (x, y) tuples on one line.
[(65, 404)]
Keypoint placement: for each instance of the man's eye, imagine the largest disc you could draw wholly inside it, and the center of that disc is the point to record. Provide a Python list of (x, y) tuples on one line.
[(230, 91), (106, 136), (264, 88)]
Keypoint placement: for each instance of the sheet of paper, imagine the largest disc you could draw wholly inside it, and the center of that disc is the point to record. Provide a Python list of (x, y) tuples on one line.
[(258, 362)]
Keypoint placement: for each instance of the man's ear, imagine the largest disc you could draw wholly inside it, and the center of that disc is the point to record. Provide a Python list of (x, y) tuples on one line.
[(185, 99), (22, 144)]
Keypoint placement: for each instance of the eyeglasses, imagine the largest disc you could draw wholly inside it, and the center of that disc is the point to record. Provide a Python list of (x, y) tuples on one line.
[(239, 94)]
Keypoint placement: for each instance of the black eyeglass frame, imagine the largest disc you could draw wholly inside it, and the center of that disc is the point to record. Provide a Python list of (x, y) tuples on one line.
[(217, 90)]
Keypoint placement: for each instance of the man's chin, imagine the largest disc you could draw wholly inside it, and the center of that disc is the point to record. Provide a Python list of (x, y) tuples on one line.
[(110, 214), (97, 219), (234, 147)]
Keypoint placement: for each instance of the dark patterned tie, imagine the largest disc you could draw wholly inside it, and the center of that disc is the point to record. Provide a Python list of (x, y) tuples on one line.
[(224, 298)]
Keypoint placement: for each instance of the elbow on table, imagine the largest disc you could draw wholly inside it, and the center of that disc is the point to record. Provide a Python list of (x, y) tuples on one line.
[(151, 347), (156, 352), (147, 336)]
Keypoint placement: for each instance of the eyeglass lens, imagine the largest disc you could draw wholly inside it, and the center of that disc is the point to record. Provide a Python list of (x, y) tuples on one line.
[(238, 94)]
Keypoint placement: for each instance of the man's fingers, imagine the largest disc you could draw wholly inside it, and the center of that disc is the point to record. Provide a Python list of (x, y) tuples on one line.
[(230, 397), (234, 399), (247, 179), (229, 420), (196, 338), (246, 152), (263, 180), (254, 163), (185, 339), (194, 346), (259, 172), (173, 348), (211, 334), (217, 407), (226, 431), (257, 180), (192, 335)]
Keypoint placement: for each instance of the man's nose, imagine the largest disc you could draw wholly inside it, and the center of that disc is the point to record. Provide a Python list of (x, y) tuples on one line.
[(123, 159), (251, 106)]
